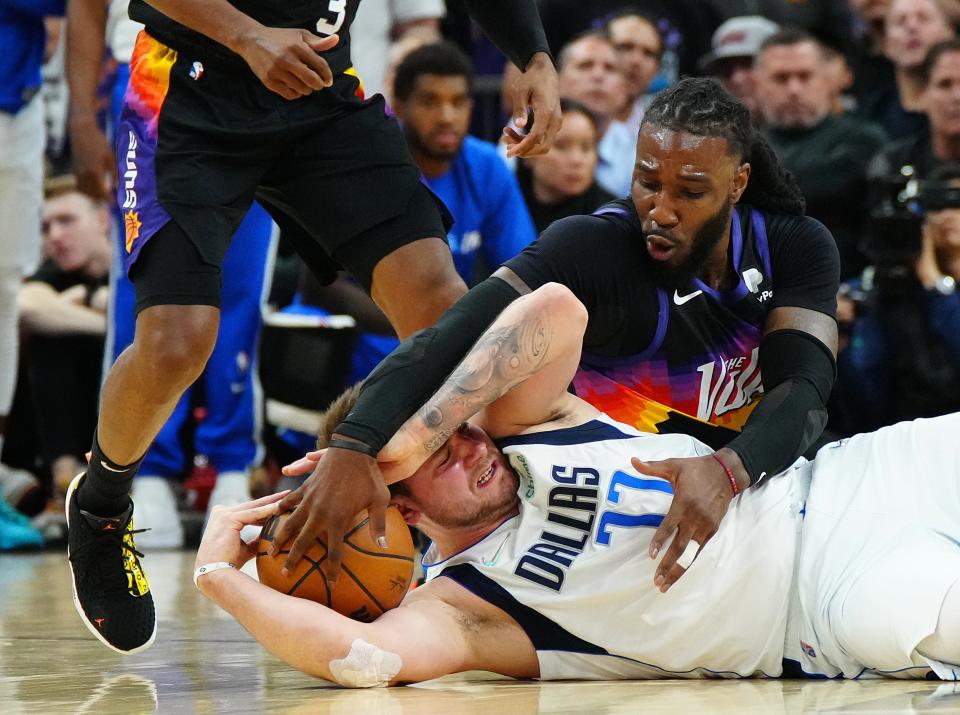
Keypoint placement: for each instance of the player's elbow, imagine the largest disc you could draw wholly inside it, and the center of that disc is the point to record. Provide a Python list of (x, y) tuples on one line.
[(563, 305), (351, 659)]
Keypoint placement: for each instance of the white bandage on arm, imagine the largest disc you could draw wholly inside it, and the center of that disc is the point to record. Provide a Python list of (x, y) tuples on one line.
[(365, 666)]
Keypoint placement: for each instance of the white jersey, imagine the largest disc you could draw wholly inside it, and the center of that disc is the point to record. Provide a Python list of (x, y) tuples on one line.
[(573, 570)]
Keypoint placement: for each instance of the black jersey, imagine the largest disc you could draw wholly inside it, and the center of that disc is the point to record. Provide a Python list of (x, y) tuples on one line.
[(680, 358), (322, 17)]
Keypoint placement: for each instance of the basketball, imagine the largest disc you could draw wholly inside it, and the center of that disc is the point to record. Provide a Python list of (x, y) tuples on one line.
[(372, 580)]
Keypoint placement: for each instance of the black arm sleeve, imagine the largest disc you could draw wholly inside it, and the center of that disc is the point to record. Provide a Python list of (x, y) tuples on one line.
[(512, 25), (407, 377), (798, 374)]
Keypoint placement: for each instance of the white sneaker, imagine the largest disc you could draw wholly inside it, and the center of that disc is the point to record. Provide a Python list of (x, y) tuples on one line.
[(231, 488), (18, 486), (156, 509)]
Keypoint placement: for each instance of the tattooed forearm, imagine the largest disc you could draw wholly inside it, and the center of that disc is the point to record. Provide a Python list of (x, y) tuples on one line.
[(502, 358)]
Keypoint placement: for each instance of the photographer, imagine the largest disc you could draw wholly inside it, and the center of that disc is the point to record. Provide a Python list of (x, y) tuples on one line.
[(900, 352)]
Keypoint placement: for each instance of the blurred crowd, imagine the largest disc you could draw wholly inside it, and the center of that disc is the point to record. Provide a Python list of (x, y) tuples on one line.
[(860, 100)]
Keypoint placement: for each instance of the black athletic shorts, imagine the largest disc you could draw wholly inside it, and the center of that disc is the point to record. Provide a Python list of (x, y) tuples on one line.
[(197, 144)]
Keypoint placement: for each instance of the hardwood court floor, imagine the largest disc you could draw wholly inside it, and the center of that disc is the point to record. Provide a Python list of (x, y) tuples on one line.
[(203, 662)]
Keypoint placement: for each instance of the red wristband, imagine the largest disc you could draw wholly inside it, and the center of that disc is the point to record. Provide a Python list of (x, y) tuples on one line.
[(729, 472)]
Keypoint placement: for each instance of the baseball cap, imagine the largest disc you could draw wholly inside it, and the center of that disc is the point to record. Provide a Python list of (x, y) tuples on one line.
[(738, 37)]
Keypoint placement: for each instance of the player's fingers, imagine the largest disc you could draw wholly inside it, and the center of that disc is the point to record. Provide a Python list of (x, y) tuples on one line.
[(334, 556), (292, 500), (290, 526), (378, 524), (663, 533), (297, 549), (269, 500), (511, 137), (320, 44), (316, 66), (669, 560), (300, 76), (664, 469), (520, 98), (683, 563), (306, 464), (281, 88)]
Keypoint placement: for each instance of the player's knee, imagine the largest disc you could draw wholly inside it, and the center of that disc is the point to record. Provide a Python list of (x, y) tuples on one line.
[(177, 340)]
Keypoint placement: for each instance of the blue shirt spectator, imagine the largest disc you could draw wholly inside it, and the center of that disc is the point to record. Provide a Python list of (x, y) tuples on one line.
[(488, 209), (23, 39)]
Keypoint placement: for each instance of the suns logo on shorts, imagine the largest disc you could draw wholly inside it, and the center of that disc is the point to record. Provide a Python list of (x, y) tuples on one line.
[(132, 224)]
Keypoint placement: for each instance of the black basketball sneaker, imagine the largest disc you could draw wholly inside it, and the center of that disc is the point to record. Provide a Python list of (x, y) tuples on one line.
[(110, 590)]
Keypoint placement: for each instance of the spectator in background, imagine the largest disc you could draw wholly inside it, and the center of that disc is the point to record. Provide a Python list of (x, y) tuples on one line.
[(840, 77), (734, 46), (912, 27), (378, 24), (827, 20), (874, 88), (915, 157), (561, 183), (432, 90), (901, 355), (63, 317), (683, 25), (589, 72), (22, 139), (827, 153), (640, 48)]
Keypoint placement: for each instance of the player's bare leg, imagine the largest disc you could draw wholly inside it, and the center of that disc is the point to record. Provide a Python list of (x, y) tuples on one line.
[(171, 348), (415, 284), (110, 590)]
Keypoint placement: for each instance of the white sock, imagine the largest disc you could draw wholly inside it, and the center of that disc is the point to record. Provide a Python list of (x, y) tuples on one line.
[(9, 291)]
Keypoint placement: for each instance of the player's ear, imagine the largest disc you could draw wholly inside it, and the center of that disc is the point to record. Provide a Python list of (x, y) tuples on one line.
[(740, 180)]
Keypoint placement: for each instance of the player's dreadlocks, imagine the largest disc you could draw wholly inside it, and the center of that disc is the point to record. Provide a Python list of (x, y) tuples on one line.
[(701, 106)]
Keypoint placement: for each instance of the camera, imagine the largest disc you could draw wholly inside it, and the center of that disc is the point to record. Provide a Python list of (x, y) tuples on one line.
[(895, 227)]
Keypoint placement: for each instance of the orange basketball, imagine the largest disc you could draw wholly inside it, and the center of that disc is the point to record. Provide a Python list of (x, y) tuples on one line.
[(372, 580)]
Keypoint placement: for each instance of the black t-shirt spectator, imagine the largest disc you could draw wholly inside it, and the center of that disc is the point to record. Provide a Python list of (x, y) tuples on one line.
[(830, 164), (545, 214), (60, 280)]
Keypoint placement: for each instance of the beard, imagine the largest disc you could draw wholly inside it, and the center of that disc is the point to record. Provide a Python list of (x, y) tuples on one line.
[(419, 145), (704, 241), (487, 513)]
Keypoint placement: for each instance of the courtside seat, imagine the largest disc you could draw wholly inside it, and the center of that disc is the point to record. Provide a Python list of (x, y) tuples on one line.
[(304, 365)]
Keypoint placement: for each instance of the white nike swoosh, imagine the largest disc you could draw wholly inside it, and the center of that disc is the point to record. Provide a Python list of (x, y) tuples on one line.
[(681, 299), (108, 467)]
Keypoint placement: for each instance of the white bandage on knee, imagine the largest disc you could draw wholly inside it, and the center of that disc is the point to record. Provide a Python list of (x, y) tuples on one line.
[(365, 666), (10, 281)]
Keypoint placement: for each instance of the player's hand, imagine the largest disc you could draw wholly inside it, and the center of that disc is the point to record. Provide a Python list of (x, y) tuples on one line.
[(94, 163), (221, 539), (343, 484), (701, 495), (305, 465), (286, 60), (536, 88)]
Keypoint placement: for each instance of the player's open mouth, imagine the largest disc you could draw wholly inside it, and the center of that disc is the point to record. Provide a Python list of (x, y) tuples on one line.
[(487, 475), (659, 247)]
